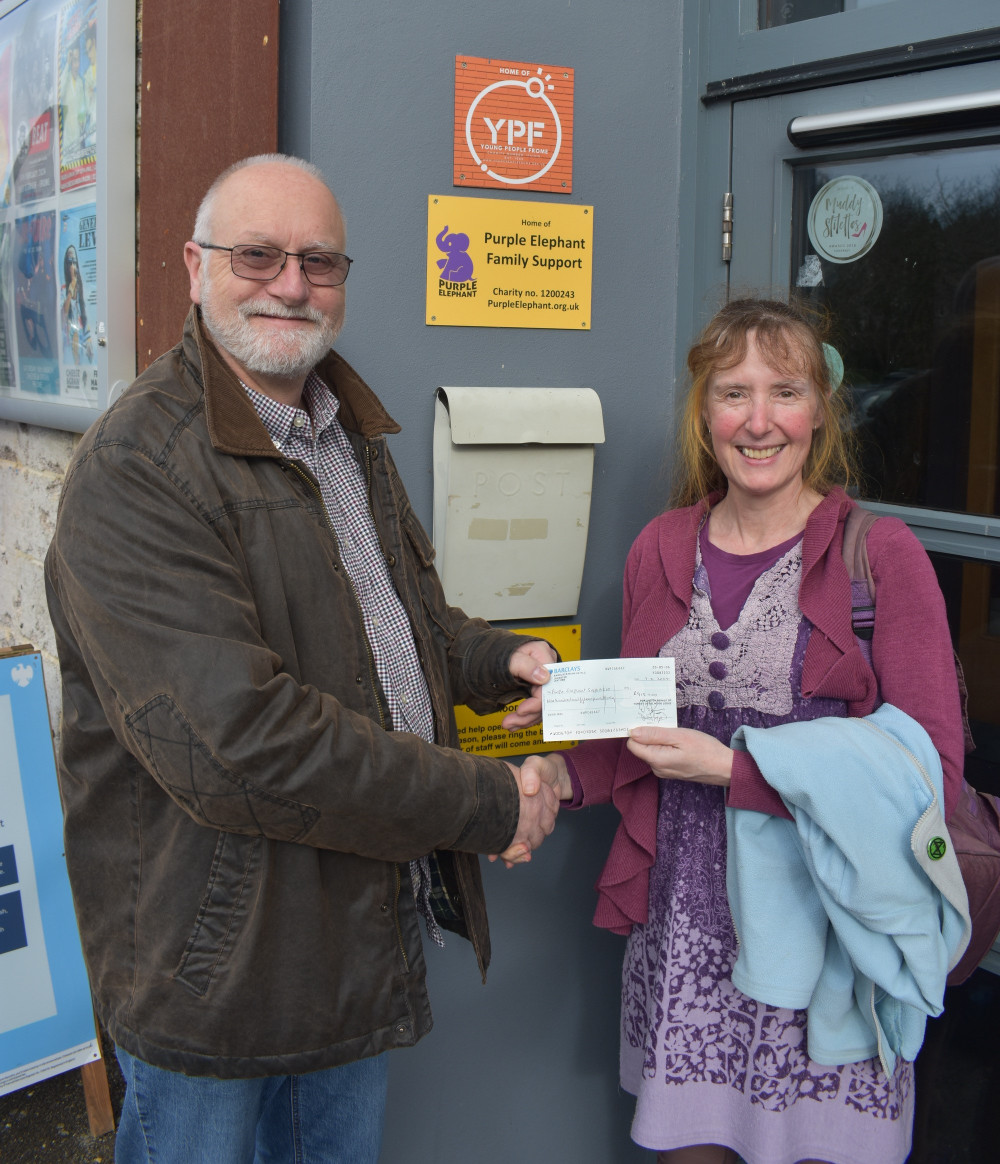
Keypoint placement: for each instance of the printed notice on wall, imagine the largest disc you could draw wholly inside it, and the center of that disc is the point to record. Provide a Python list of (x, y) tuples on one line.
[(46, 1014), (513, 125), (483, 735), (493, 263)]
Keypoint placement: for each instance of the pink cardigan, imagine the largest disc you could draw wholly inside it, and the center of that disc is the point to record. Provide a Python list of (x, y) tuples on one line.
[(911, 655)]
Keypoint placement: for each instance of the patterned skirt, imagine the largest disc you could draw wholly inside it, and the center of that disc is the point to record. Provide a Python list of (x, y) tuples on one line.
[(707, 1064)]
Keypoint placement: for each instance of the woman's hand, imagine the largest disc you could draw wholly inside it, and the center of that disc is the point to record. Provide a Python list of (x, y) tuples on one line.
[(551, 769), (682, 754)]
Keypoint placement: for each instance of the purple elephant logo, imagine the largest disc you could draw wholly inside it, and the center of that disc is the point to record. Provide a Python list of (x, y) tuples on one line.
[(457, 266)]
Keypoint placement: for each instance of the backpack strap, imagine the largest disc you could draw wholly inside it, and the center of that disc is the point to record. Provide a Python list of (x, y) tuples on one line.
[(859, 522)]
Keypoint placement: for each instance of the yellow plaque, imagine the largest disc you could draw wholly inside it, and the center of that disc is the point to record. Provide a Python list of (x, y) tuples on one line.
[(482, 735), (492, 263)]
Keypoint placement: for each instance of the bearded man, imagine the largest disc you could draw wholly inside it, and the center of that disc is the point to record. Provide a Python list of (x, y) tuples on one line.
[(259, 764)]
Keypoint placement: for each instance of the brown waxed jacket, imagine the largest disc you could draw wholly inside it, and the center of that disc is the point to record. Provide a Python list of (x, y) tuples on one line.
[(239, 821)]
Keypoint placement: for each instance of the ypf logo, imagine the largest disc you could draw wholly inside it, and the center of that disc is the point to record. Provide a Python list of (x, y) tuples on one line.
[(523, 133)]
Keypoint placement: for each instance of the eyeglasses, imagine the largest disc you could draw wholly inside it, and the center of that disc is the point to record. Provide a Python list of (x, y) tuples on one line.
[(262, 264)]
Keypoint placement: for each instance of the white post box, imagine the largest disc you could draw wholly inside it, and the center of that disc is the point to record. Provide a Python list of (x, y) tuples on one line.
[(513, 470)]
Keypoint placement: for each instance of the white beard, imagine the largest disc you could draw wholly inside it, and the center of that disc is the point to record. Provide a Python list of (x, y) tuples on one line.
[(288, 355)]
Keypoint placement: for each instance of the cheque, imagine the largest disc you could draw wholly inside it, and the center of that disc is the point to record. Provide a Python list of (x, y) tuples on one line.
[(601, 698)]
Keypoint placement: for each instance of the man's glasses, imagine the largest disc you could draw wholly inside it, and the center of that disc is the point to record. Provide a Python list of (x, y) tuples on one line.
[(262, 264)]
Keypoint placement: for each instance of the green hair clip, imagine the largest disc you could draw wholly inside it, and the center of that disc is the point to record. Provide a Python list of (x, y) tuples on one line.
[(834, 366)]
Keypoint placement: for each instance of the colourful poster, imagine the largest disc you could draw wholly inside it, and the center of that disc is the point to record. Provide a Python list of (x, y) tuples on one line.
[(492, 263), (78, 300), (513, 125), (35, 303), (483, 735), (46, 1016), (33, 113), (78, 95)]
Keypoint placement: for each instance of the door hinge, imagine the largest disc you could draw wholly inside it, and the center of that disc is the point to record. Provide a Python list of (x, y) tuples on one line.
[(727, 227)]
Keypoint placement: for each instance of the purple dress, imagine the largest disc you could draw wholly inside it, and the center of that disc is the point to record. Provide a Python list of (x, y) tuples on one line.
[(707, 1064)]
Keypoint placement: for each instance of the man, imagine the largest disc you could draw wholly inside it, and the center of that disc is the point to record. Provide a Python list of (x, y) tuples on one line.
[(258, 748)]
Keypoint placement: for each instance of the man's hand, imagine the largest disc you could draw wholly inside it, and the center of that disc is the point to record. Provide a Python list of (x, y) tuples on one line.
[(527, 664), (537, 818)]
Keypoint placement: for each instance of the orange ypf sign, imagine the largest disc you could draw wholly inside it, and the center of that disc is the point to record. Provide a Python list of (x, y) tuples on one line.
[(513, 125)]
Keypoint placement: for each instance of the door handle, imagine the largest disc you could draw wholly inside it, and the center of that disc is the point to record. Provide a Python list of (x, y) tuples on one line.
[(963, 111)]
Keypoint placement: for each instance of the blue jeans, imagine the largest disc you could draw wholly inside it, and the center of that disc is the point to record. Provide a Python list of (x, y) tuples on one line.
[(323, 1117)]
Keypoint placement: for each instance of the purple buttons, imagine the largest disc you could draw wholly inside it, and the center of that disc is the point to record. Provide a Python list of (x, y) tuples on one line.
[(720, 641), (716, 700), (718, 669)]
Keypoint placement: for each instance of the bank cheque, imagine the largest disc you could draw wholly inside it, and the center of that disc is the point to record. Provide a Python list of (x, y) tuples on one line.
[(602, 698)]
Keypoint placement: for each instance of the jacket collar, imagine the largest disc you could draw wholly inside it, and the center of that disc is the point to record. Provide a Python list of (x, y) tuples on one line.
[(677, 548), (825, 590), (233, 424)]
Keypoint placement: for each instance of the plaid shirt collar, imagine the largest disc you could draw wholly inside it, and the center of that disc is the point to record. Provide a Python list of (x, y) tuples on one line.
[(319, 408)]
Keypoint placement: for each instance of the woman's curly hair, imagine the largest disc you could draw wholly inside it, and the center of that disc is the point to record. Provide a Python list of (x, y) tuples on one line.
[(789, 339)]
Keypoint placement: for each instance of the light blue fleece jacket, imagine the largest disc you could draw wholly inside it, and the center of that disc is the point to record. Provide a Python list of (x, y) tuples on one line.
[(856, 909)]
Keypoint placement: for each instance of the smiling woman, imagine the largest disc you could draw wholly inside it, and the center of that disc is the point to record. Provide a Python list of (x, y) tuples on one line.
[(781, 349), (761, 421), (745, 587), (763, 401)]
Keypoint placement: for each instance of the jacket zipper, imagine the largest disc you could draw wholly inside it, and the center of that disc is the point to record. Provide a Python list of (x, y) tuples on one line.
[(314, 488)]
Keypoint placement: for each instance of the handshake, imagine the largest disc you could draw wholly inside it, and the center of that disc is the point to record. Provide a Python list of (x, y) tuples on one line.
[(542, 782)]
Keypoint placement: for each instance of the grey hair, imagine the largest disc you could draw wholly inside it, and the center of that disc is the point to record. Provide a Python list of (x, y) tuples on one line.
[(203, 218)]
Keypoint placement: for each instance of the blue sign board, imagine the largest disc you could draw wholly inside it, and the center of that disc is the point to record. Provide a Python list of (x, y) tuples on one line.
[(46, 1014)]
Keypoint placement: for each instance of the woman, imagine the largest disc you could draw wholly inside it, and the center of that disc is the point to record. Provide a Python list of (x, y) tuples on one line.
[(745, 586), (74, 307)]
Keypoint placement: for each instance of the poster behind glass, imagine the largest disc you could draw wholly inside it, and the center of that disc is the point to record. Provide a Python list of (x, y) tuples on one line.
[(49, 155)]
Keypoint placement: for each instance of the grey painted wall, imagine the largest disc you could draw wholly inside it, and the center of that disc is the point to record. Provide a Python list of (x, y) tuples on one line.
[(525, 1068)]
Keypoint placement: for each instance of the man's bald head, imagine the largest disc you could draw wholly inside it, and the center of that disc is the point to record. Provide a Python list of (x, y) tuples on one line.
[(203, 219)]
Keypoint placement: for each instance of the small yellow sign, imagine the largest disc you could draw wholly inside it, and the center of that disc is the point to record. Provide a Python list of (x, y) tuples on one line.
[(492, 263), (482, 735)]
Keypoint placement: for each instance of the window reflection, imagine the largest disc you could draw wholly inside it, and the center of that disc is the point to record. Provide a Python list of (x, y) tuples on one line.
[(774, 13), (917, 320)]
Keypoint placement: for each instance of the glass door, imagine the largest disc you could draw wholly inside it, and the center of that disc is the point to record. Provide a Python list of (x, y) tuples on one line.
[(895, 234)]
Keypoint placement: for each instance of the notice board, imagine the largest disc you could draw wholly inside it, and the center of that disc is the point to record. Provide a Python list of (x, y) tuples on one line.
[(67, 208), (46, 1013)]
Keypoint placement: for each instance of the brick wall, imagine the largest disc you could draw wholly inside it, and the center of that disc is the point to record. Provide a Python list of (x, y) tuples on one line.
[(33, 462)]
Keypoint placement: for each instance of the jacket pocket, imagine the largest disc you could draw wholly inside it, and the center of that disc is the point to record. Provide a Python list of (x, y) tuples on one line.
[(222, 911)]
